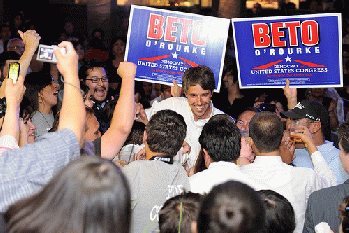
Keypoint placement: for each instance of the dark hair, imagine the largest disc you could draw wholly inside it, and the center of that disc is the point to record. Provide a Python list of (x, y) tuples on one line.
[(166, 131), (231, 207), (7, 55), (136, 134), (179, 212), (201, 75), (90, 65), (221, 138), (34, 83), (89, 195), (25, 110), (343, 135), (279, 213), (344, 212), (266, 130)]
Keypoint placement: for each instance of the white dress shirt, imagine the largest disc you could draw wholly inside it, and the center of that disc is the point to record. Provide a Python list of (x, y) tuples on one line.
[(218, 173), (194, 128), (294, 183)]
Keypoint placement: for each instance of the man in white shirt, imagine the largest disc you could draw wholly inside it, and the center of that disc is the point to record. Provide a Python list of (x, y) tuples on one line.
[(294, 183), (220, 142), (198, 84)]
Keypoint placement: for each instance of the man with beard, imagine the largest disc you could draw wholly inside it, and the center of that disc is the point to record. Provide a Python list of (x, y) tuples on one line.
[(94, 75)]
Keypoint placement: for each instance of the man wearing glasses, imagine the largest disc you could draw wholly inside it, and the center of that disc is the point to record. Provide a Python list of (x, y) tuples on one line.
[(95, 77)]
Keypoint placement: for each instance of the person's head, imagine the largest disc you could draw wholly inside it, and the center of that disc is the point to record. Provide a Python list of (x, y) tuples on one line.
[(25, 115), (79, 48), (231, 207), (344, 212), (98, 33), (165, 133), (5, 33), (16, 45), (343, 136), (317, 92), (92, 131), (89, 195), (118, 46), (198, 85), (266, 132), (313, 114), (220, 139), (95, 77), (178, 213), (279, 213), (243, 120), (5, 59), (41, 90)]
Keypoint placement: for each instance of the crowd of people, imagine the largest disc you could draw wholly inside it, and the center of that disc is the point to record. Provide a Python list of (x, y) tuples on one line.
[(86, 148)]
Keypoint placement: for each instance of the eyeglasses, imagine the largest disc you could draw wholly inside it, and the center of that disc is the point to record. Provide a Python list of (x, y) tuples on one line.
[(96, 80)]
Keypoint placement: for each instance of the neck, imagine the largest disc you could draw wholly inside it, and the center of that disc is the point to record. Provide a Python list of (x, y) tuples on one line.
[(205, 116), (150, 154), (273, 153), (318, 139), (45, 109)]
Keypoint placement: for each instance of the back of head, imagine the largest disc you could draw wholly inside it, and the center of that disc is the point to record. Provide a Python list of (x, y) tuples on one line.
[(343, 135), (89, 195), (166, 131), (221, 138), (201, 75), (231, 207), (279, 213), (266, 130), (179, 212)]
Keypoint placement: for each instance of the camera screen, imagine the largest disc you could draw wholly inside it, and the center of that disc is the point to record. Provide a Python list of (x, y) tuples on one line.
[(46, 53)]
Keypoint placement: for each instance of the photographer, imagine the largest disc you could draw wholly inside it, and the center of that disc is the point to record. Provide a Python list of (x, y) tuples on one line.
[(26, 170)]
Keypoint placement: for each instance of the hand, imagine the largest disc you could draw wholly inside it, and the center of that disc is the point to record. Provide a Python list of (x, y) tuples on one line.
[(176, 91), (140, 114), (291, 95), (186, 148), (127, 69), (30, 39), (307, 138), (14, 91), (287, 148), (67, 64)]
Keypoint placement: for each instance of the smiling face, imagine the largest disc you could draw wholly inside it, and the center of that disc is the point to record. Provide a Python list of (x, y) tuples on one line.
[(29, 129), (98, 89), (49, 94), (199, 101)]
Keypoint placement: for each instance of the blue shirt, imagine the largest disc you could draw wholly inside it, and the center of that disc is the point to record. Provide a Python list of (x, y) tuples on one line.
[(331, 156), (24, 171)]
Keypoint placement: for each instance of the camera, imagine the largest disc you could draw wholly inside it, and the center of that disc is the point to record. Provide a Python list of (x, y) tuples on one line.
[(267, 107), (45, 53)]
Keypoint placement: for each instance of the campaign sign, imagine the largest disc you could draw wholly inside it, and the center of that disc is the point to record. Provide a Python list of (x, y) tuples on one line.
[(165, 43), (306, 49)]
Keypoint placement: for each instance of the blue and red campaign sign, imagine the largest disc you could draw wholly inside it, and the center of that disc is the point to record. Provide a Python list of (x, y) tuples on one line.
[(165, 43), (306, 49)]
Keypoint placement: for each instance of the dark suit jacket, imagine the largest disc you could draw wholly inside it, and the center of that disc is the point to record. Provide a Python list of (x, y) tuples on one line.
[(323, 206)]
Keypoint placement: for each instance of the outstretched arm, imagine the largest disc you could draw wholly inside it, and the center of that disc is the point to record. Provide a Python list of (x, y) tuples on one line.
[(31, 42), (291, 95), (123, 115), (72, 114)]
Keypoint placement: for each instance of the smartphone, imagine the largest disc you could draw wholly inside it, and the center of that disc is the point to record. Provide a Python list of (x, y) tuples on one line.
[(13, 71)]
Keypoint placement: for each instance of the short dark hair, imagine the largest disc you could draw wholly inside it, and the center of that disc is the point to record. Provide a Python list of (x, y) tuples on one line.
[(166, 131), (90, 65), (186, 205), (221, 138), (231, 207), (201, 75), (91, 194), (279, 213), (266, 130), (343, 135)]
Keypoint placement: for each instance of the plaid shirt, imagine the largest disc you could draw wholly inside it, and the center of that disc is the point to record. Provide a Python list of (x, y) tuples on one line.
[(24, 171)]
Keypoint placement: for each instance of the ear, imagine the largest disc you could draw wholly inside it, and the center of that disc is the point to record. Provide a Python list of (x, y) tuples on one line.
[(208, 159), (253, 146), (194, 227), (144, 136), (315, 127)]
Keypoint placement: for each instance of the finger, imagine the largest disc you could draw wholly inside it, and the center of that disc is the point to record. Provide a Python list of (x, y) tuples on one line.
[(20, 33), (174, 82)]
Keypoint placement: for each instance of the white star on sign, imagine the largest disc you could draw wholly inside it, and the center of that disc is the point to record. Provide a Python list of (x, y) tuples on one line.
[(175, 55), (288, 59)]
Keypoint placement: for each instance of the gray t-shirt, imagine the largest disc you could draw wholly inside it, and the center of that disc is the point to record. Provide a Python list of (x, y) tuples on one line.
[(43, 123), (152, 183)]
